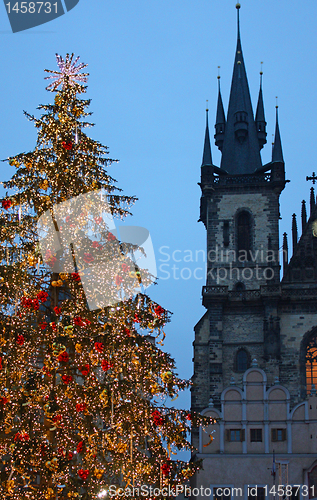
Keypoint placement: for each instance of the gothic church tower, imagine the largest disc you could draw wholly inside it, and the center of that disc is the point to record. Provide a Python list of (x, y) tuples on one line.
[(255, 348), (240, 210)]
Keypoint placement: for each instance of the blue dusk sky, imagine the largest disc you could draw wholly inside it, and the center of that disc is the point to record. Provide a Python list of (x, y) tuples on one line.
[(152, 66)]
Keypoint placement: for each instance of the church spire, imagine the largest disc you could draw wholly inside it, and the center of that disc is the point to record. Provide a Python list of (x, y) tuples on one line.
[(207, 159), (260, 117), (240, 151), (220, 120), (277, 153)]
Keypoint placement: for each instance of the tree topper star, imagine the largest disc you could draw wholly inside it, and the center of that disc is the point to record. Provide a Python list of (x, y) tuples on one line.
[(69, 73)]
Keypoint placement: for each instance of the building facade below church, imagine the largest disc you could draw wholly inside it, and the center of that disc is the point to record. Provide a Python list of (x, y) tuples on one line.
[(259, 441)]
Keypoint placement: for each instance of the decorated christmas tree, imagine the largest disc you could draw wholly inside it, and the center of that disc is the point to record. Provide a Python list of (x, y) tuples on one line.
[(83, 382)]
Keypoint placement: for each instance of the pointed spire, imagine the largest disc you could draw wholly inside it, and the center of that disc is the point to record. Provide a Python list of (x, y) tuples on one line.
[(294, 232), (285, 253), (207, 159), (277, 153), (259, 116), (220, 119), (240, 151), (312, 200), (304, 215)]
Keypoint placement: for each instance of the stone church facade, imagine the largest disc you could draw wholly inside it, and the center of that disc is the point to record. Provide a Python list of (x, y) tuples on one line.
[(255, 348)]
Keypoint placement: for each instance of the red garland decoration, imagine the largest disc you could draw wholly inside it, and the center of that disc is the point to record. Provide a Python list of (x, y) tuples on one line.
[(157, 418), (63, 357), (118, 280), (166, 469), (42, 296), (35, 304), (26, 302), (84, 370), (6, 204), (99, 346), (67, 145), (159, 311), (127, 332), (57, 310), (75, 276), (53, 325), (136, 318), (50, 259), (96, 245), (83, 474), (105, 365), (21, 436), (88, 258), (20, 340), (80, 407), (110, 237), (78, 321), (57, 419), (43, 325), (67, 379), (80, 446)]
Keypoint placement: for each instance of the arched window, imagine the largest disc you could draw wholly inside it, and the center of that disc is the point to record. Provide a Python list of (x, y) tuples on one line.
[(311, 363), (242, 361), (244, 235)]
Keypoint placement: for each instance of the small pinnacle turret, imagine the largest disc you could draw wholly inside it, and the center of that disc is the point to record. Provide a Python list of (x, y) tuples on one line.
[(260, 117), (277, 153), (304, 215), (207, 159), (285, 252), (294, 232), (220, 125), (312, 200)]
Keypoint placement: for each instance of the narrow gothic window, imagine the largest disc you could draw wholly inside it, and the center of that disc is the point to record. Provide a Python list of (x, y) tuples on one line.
[(311, 363), (244, 234), (226, 233), (241, 361)]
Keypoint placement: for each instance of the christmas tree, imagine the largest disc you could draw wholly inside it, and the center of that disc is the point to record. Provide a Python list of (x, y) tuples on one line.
[(83, 382)]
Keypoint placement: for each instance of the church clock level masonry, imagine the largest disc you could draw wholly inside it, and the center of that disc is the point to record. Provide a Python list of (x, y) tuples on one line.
[(255, 348)]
